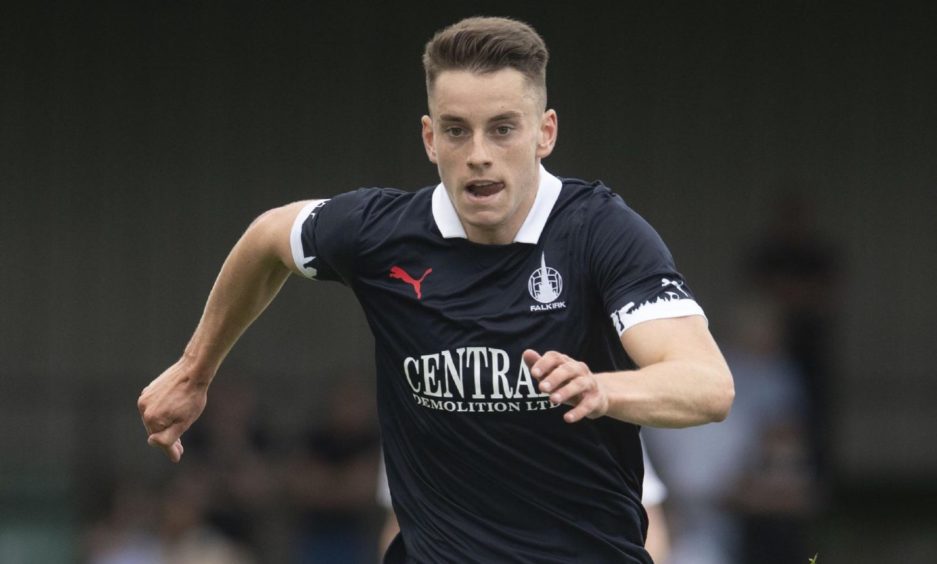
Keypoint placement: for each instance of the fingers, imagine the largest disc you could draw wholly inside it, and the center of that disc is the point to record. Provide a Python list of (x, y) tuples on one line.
[(543, 365), (162, 434), (555, 370), (175, 451), (169, 405), (169, 442), (567, 381), (590, 405), (575, 383), (530, 357)]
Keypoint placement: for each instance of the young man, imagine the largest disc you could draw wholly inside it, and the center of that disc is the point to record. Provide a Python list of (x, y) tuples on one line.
[(525, 326)]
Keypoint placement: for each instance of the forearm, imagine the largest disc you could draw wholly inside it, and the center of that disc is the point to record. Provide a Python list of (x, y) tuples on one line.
[(250, 278), (684, 379), (670, 393)]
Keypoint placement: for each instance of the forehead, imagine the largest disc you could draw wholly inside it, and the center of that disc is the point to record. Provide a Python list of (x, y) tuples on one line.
[(465, 93)]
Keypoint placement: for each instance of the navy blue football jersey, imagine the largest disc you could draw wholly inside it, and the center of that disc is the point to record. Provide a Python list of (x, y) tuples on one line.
[(481, 465)]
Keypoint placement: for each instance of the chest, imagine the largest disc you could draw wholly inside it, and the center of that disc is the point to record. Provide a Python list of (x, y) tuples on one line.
[(499, 290)]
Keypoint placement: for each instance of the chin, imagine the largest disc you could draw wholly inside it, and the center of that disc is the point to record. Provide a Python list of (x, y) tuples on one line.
[(483, 220)]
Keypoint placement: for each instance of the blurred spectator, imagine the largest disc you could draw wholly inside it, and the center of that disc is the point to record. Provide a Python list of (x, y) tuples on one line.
[(798, 269), (720, 477), (170, 527), (186, 535), (331, 481), (229, 447), (127, 533), (240, 498)]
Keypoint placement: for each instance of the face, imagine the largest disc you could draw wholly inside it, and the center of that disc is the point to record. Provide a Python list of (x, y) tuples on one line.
[(487, 133)]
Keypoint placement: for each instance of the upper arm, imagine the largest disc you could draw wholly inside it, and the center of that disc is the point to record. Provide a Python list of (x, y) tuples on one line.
[(633, 270), (674, 338), (324, 235), (273, 232)]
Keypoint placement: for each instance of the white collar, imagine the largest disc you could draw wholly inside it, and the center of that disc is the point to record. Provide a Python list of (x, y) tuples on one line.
[(447, 220)]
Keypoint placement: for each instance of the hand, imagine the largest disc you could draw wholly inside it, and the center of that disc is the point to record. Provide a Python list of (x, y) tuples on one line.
[(568, 381), (169, 406)]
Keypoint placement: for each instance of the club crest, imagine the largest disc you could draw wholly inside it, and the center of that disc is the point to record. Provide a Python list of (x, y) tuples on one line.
[(545, 285)]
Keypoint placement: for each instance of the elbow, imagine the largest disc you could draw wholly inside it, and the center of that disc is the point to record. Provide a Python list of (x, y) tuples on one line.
[(723, 398)]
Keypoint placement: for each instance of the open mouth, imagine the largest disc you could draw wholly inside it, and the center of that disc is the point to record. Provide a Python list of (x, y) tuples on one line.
[(484, 188)]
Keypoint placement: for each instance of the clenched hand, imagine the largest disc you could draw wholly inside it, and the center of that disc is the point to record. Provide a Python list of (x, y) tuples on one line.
[(568, 381), (169, 406)]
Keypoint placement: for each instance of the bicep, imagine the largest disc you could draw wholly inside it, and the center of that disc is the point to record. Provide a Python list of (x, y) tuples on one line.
[(674, 338)]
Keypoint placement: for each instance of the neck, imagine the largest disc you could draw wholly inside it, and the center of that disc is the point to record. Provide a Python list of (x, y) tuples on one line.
[(505, 233)]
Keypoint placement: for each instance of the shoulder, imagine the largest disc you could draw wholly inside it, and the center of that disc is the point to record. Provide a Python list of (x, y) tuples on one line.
[(371, 217), (329, 235), (612, 232), (594, 205), (375, 205), (373, 199), (594, 195)]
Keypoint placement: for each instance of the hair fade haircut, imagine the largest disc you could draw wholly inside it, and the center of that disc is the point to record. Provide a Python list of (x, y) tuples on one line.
[(485, 45)]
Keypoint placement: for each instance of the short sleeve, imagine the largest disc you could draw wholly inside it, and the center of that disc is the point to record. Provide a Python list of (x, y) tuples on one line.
[(633, 268), (302, 238), (323, 236)]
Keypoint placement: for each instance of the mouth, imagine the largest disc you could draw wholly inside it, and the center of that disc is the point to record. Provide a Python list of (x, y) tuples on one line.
[(483, 189)]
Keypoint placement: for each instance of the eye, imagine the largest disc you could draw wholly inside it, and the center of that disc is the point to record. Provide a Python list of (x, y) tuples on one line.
[(504, 129), (455, 131)]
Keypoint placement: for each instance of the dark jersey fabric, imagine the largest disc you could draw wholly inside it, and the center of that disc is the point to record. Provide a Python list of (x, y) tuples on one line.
[(481, 467)]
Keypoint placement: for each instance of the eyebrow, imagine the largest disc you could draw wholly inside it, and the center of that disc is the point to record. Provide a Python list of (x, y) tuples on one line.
[(451, 118), (511, 114)]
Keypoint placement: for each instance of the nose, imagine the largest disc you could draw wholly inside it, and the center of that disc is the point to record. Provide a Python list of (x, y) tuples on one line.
[(479, 155)]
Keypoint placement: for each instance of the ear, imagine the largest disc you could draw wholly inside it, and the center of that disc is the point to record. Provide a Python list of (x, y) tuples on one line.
[(428, 139), (548, 131)]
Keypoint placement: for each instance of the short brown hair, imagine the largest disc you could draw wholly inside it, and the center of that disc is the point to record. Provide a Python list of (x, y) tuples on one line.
[(484, 45)]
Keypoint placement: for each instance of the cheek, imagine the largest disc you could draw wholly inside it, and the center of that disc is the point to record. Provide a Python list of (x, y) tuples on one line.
[(520, 155), (448, 151), (446, 160)]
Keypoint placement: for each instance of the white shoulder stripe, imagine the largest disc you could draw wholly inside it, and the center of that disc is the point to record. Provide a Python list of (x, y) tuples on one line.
[(662, 308), (296, 242)]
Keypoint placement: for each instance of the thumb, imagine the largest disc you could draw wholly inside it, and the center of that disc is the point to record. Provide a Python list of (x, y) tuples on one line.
[(169, 442)]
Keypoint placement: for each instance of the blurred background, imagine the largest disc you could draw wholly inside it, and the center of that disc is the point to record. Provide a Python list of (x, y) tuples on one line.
[(786, 151)]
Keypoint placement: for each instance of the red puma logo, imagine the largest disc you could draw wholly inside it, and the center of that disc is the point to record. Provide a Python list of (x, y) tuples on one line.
[(401, 274)]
